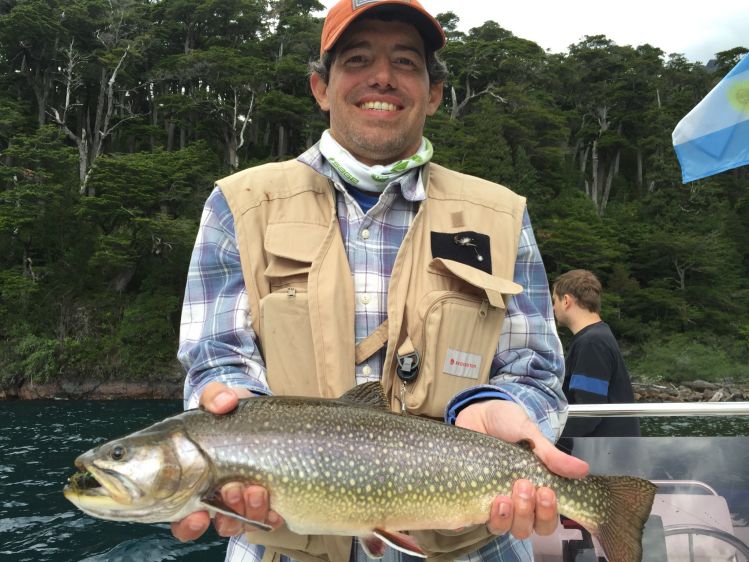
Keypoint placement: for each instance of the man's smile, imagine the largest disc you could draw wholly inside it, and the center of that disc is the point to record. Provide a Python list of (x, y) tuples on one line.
[(379, 106)]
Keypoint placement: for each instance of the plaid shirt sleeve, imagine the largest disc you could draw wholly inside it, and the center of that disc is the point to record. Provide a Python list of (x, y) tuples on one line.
[(217, 342), (529, 365)]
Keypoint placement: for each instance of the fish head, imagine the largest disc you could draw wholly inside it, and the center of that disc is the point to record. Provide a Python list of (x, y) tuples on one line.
[(154, 475)]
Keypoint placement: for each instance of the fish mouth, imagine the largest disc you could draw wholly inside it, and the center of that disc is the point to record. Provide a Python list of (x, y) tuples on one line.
[(92, 484)]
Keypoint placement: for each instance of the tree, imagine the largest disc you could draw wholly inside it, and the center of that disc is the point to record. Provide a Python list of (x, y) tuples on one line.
[(597, 66), (30, 35), (145, 104)]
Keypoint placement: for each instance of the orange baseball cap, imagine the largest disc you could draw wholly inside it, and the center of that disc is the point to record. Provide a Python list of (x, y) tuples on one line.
[(345, 12)]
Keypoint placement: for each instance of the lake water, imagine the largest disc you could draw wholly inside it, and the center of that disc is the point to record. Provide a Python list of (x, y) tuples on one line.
[(39, 441)]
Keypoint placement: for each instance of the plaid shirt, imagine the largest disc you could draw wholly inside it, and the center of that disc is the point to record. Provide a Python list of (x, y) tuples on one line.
[(217, 342)]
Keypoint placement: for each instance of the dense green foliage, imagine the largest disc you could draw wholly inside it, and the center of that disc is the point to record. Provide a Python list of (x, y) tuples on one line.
[(116, 117)]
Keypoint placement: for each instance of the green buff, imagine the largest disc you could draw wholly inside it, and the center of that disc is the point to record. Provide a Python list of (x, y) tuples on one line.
[(370, 178)]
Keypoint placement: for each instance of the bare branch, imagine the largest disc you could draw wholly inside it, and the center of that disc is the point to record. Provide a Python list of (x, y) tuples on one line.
[(458, 108), (246, 121)]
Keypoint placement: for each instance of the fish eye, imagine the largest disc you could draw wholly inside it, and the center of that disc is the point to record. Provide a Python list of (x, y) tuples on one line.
[(117, 453)]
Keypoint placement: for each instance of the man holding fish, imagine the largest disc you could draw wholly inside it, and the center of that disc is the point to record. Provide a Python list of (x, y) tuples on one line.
[(361, 261)]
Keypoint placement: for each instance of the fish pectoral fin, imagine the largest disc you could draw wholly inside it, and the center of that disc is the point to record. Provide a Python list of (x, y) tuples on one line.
[(215, 506), (372, 546), (400, 541)]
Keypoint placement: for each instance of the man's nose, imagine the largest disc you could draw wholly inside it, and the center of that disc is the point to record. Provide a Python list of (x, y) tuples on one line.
[(383, 75)]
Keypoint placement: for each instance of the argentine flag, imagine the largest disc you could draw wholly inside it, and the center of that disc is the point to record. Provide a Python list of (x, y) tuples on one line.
[(714, 136)]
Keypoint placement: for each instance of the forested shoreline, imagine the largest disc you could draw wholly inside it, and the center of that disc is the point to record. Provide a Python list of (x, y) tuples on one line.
[(116, 117)]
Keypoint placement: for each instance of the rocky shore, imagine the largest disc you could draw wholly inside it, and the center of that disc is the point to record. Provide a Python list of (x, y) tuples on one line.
[(171, 388), (695, 391)]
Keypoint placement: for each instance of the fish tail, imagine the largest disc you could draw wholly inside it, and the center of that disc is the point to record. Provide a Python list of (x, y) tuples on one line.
[(625, 504)]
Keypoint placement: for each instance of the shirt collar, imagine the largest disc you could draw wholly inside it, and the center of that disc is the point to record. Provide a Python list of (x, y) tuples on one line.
[(411, 185)]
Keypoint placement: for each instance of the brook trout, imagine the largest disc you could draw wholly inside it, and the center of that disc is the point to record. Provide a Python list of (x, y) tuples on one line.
[(342, 467)]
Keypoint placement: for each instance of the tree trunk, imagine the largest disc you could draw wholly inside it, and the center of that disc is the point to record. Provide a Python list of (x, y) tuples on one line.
[(639, 168), (613, 172), (236, 133), (104, 110), (594, 188), (83, 158), (584, 160), (282, 141), (154, 116), (170, 126), (266, 135), (42, 83), (230, 144), (41, 100), (81, 140)]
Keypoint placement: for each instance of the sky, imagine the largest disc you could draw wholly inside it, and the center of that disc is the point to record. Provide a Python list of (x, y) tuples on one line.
[(696, 29)]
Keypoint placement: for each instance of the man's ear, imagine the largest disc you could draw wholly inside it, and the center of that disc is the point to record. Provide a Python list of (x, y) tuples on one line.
[(567, 300), (435, 97), (319, 90)]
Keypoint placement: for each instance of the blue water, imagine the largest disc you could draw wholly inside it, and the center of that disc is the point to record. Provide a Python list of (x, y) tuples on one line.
[(39, 441)]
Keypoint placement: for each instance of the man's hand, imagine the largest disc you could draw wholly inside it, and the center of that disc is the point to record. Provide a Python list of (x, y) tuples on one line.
[(250, 501), (529, 509)]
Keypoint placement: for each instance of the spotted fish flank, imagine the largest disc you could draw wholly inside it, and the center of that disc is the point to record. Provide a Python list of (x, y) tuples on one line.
[(343, 467)]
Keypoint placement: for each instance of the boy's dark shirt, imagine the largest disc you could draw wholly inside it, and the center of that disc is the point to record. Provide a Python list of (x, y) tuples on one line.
[(595, 374)]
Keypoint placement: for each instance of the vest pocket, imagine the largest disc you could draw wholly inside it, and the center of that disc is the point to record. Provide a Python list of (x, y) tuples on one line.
[(291, 247), (456, 333), (285, 327), (287, 343), (283, 273), (456, 342)]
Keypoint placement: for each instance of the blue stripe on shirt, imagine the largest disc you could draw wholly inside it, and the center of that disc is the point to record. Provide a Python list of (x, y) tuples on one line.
[(589, 384)]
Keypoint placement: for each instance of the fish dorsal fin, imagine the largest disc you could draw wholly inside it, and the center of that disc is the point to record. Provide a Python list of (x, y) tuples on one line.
[(368, 394)]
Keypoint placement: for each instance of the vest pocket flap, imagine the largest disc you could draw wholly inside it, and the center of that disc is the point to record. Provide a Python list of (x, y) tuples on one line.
[(292, 247), (494, 287)]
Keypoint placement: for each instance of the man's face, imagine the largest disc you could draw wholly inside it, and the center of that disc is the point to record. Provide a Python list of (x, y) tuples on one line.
[(378, 93), (559, 312)]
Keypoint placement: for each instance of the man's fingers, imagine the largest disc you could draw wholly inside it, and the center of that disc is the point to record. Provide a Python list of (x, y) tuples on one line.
[(524, 503), (231, 495), (257, 507), (274, 519), (500, 519), (559, 462), (227, 526), (191, 527), (547, 517), (218, 398)]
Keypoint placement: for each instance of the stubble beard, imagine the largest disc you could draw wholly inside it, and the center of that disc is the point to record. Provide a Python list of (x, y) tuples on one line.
[(384, 149)]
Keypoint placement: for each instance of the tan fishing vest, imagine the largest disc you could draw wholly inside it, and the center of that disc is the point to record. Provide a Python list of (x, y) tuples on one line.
[(444, 315)]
